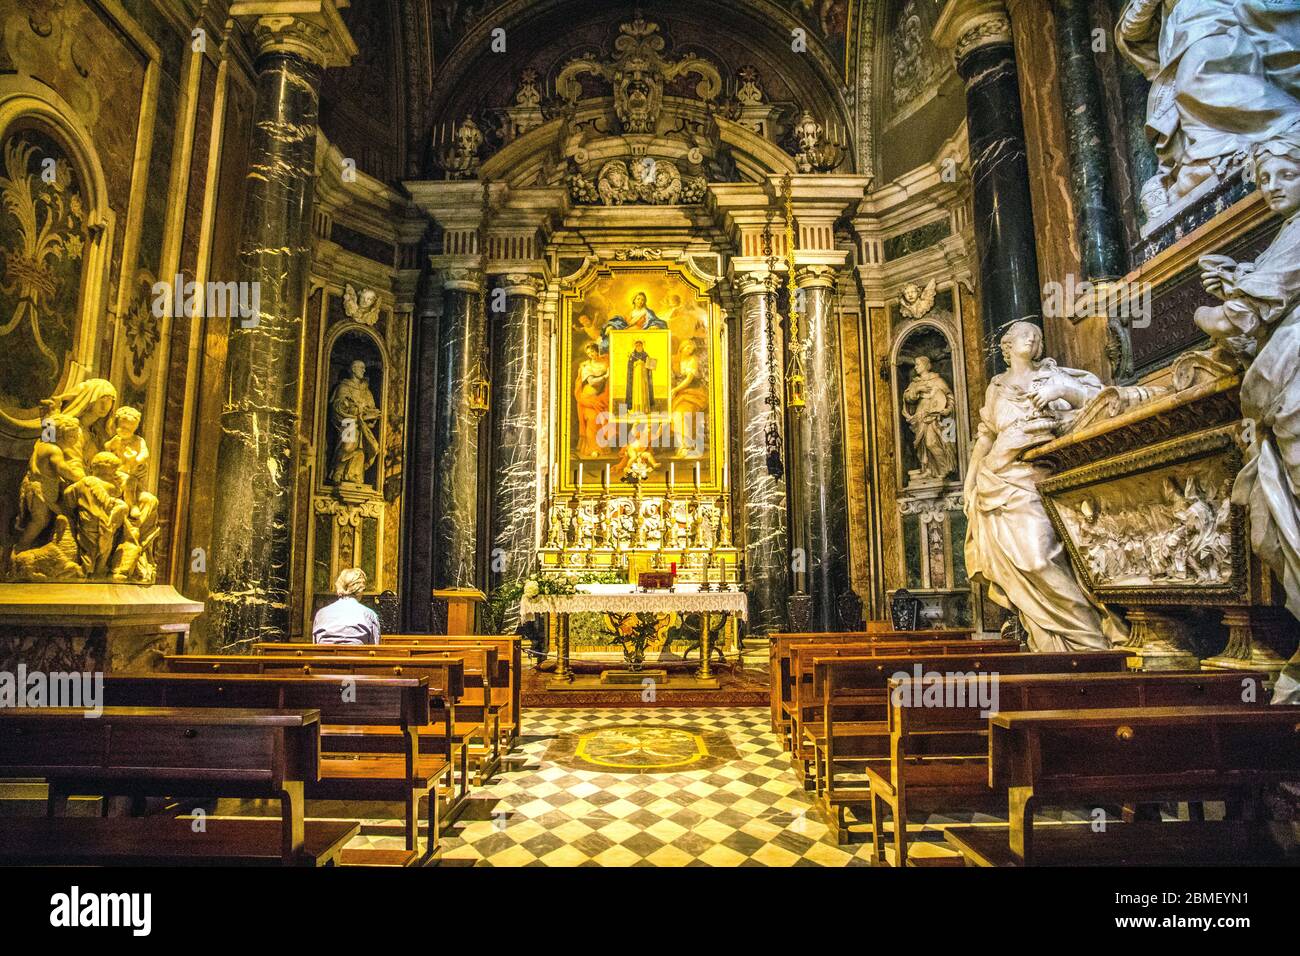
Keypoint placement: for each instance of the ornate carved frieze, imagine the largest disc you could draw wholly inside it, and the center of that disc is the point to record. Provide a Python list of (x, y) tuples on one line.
[(643, 180), (637, 74)]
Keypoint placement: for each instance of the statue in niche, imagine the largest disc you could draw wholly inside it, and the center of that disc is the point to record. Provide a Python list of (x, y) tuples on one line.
[(1010, 541), (134, 559), (1223, 76), (354, 413), (928, 407), (1259, 320)]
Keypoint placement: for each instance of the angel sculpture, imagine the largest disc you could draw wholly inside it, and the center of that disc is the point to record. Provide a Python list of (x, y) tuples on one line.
[(360, 307), (917, 301)]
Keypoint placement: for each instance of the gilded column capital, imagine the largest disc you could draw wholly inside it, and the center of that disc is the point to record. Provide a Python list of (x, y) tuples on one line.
[(758, 282), (815, 277), (520, 283), (966, 25), (311, 29), (463, 280)]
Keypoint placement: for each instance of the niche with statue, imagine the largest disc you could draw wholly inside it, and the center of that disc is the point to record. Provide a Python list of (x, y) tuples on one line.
[(927, 397), (354, 420)]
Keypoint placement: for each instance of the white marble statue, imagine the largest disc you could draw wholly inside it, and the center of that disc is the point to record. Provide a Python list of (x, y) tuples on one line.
[(1010, 542), (1224, 76), (1260, 321), (928, 407), (355, 413)]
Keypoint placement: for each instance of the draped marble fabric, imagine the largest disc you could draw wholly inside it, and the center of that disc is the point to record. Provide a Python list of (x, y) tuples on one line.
[(1265, 302), (1010, 541), (1223, 72)]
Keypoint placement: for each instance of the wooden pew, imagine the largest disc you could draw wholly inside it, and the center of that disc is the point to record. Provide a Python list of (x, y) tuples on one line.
[(389, 767), (798, 660), (853, 698), (779, 644), (1146, 755), (507, 686), (446, 683), (478, 717), (168, 751), (952, 733)]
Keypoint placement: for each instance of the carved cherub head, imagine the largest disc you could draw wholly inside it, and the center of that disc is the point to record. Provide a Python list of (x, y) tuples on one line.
[(105, 465)]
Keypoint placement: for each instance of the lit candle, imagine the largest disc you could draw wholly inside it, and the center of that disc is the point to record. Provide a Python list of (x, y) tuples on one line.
[(579, 476), (605, 478)]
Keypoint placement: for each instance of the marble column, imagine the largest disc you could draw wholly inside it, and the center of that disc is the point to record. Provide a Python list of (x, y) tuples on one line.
[(419, 506), (819, 471), (765, 535), (514, 507), (461, 341), (248, 595), (1097, 218), (980, 34), (1134, 90)]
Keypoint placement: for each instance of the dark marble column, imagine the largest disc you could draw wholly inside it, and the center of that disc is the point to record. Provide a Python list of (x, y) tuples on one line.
[(819, 471), (461, 334), (419, 506), (248, 597), (1097, 217), (513, 482), (1134, 90), (1003, 218), (764, 537)]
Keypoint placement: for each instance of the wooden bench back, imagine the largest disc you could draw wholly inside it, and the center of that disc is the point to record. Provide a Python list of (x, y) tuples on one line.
[(178, 751), (1174, 753), (852, 677), (481, 662), (507, 685), (802, 656), (445, 675), (781, 653), (340, 699), (955, 706)]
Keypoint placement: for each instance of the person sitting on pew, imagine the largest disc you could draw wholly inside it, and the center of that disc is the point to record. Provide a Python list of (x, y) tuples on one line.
[(347, 620)]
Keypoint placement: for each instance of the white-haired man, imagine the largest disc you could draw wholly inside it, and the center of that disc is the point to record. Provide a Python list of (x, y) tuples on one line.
[(347, 620)]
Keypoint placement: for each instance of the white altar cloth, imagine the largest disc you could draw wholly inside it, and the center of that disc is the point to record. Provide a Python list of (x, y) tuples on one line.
[(626, 599)]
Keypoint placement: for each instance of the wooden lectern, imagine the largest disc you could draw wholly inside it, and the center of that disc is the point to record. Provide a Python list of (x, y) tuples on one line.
[(461, 602)]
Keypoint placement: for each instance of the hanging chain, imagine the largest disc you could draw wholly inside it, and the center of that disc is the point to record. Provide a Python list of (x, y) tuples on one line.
[(794, 378), (479, 387), (772, 433)]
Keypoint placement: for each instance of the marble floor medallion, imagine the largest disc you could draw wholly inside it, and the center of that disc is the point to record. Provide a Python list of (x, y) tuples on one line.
[(642, 748)]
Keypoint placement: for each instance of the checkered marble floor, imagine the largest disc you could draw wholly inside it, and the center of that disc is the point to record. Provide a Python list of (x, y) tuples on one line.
[(749, 811), (746, 811)]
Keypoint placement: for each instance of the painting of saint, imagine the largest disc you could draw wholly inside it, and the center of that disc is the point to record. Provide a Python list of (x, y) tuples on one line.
[(640, 379), (640, 346), (641, 317), (640, 367), (591, 391), (689, 400)]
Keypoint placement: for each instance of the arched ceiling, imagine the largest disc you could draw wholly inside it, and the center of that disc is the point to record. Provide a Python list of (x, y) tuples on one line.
[(542, 35)]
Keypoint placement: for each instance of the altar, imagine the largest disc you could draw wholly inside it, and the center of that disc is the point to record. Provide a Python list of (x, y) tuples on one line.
[(633, 615)]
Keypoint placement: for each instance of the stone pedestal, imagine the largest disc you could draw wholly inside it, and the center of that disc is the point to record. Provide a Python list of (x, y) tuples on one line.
[(92, 627), (1259, 638), (1161, 641)]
